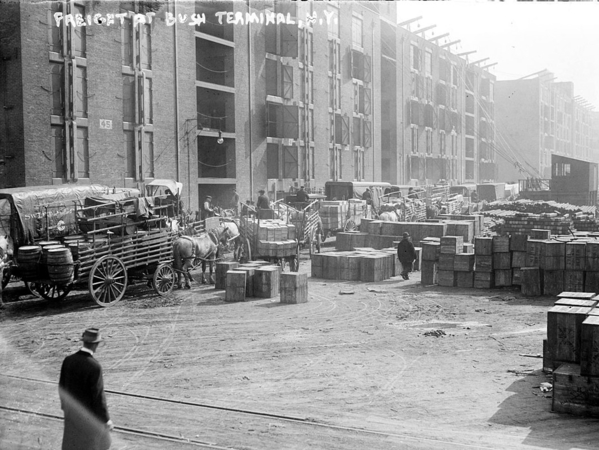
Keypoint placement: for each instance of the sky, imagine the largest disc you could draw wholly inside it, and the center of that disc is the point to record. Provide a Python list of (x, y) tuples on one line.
[(522, 37)]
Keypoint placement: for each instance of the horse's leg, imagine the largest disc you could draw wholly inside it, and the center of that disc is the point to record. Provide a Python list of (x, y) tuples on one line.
[(203, 272), (177, 264), (186, 267), (212, 281)]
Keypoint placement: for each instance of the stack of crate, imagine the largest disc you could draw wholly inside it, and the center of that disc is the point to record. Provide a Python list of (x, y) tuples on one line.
[(571, 351), (450, 247), (333, 214), (363, 264), (429, 267), (483, 263), (502, 261), (275, 237)]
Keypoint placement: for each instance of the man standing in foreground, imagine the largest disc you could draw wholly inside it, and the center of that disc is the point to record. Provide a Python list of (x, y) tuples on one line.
[(406, 255), (87, 425)]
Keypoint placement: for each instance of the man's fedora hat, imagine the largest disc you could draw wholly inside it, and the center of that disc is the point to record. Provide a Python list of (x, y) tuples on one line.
[(91, 336)]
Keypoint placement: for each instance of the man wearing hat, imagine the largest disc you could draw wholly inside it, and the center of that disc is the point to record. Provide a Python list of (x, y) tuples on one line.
[(207, 208), (406, 253), (87, 425), (263, 201)]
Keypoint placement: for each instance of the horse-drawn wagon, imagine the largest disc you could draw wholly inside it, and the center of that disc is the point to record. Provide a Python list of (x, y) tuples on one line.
[(308, 224)]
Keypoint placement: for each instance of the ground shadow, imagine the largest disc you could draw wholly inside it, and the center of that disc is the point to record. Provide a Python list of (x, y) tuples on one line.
[(530, 408)]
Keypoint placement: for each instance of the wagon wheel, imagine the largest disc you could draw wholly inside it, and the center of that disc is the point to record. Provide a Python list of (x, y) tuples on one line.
[(350, 225), (245, 251), (51, 292), (31, 288), (163, 280), (107, 280), (6, 274)]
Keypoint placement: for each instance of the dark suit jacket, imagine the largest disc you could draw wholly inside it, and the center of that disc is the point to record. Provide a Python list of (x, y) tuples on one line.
[(406, 253), (82, 398)]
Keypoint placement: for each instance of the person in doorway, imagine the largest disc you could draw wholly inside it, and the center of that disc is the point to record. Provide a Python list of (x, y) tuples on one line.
[(406, 253), (207, 208), (87, 424), (263, 201), (302, 196)]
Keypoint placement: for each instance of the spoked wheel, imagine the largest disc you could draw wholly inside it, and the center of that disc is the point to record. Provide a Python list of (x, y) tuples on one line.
[(350, 225), (107, 280), (164, 279), (31, 288), (51, 292), (245, 251)]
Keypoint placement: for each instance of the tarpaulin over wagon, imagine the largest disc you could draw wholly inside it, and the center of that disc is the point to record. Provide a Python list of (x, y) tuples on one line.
[(124, 202), (27, 212)]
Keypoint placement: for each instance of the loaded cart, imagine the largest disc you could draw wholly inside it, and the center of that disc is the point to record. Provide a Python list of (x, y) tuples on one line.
[(308, 225), (271, 240), (116, 249)]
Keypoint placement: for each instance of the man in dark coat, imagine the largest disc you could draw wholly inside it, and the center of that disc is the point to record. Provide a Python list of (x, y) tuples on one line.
[(406, 253), (263, 202), (302, 196), (87, 424), (367, 195)]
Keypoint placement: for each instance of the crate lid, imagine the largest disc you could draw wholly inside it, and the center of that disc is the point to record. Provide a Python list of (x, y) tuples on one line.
[(565, 309), (576, 302), (578, 295), (591, 320)]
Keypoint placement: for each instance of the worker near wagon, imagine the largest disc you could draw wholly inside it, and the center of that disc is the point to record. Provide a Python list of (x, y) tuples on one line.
[(87, 424), (302, 196), (474, 197), (207, 208), (406, 253), (263, 201), (412, 194), (235, 202), (175, 206), (367, 195)]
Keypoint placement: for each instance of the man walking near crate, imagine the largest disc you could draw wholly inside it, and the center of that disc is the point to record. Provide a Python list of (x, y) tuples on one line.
[(406, 253), (87, 425)]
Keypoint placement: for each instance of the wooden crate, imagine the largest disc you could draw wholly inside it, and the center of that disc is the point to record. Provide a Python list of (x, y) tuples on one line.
[(452, 245), (503, 278), (235, 290), (518, 259), (591, 281), (330, 267), (564, 328), (294, 287), (547, 363), (553, 263), (577, 295), (484, 280), (266, 282), (465, 279), (374, 227), (534, 253), (554, 248), (428, 273), (536, 233), (576, 302), (220, 275), (483, 246), (431, 251), (518, 242), (483, 263), (464, 263), (576, 255), (574, 393), (574, 280), (447, 278), (517, 276), (249, 279), (446, 262), (502, 261), (372, 268), (532, 281), (501, 244), (592, 256), (349, 267), (553, 282), (589, 347), (316, 265)]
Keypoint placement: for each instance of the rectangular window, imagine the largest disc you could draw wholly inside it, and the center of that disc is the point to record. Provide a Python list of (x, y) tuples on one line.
[(469, 148), (128, 99), (429, 141), (332, 162), (442, 143), (332, 45), (357, 65), (55, 35), (428, 63), (470, 80), (82, 153), (290, 163), (333, 22), (469, 170), (79, 43), (148, 111), (272, 161), (415, 57), (454, 145), (145, 46), (80, 94), (129, 150), (470, 103), (127, 47), (356, 31), (149, 155), (470, 125), (287, 72), (270, 71), (444, 70), (454, 78), (58, 150), (331, 93), (57, 85), (357, 132), (414, 136)]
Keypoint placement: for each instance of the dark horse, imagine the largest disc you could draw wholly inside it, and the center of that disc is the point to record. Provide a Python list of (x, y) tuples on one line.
[(188, 251)]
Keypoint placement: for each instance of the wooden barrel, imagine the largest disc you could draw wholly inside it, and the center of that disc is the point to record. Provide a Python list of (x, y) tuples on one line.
[(47, 243), (60, 265), (28, 259)]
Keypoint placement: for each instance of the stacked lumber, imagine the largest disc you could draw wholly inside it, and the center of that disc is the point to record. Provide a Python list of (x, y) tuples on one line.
[(363, 264), (522, 223), (571, 351)]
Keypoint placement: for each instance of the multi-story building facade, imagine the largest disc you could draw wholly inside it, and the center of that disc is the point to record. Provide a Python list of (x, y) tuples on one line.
[(538, 118), (222, 94)]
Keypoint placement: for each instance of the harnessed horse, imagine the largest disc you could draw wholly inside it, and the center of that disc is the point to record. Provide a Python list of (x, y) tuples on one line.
[(189, 251)]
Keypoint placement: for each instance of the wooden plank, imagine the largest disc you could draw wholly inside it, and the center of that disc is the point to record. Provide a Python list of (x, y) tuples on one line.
[(577, 295)]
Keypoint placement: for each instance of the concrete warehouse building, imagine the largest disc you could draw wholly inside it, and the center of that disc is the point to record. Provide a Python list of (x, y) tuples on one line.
[(206, 94)]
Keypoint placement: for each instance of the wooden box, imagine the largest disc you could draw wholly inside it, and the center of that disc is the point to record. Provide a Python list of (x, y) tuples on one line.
[(592, 256), (483, 246), (330, 267), (446, 262), (589, 347), (465, 279), (518, 259), (294, 287), (464, 263), (574, 280), (235, 290), (553, 282), (501, 244), (431, 251), (534, 253), (220, 274), (574, 393), (503, 278), (577, 295), (317, 262), (374, 227), (502, 261), (452, 245), (372, 268), (249, 279), (564, 328), (576, 302), (447, 278), (266, 282), (575, 255), (532, 281), (483, 263), (518, 242), (428, 273), (553, 263), (517, 276), (468, 248), (349, 267), (554, 248), (591, 281), (540, 234), (484, 280)]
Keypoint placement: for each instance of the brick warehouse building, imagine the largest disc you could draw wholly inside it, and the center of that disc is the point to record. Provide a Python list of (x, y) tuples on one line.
[(224, 105)]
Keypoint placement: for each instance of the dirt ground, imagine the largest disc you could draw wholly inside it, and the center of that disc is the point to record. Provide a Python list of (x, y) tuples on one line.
[(388, 365)]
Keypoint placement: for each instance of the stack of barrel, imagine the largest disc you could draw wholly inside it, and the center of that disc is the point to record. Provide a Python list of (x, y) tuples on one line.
[(47, 261), (260, 279), (571, 351)]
